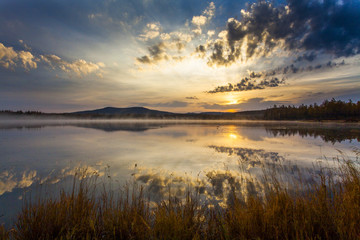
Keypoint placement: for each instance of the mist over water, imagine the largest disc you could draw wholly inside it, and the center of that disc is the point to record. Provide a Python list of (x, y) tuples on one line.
[(213, 156)]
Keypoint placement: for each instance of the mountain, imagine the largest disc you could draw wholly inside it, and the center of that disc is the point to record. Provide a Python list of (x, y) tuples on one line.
[(131, 111)]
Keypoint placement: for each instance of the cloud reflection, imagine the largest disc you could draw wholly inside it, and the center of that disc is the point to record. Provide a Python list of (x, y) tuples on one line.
[(10, 179), (215, 187), (254, 157)]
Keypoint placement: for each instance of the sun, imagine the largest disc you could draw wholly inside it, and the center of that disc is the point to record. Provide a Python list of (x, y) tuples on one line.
[(233, 136), (231, 99)]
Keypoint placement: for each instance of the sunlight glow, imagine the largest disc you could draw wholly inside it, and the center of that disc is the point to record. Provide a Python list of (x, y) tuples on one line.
[(233, 136), (231, 99)]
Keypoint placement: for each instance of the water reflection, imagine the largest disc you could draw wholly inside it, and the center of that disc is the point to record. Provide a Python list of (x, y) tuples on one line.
[(10, 180), (215, 187), (216, 158), (328, 132), (252, 156)]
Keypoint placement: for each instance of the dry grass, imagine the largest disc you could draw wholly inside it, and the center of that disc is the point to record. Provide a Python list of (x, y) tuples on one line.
[(329, 209), (4, 234)]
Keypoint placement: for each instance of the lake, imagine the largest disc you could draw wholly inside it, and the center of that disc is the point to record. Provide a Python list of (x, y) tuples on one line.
[(41, 157)]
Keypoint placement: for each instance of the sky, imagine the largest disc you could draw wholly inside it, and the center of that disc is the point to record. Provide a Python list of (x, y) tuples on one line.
[(177, 55)]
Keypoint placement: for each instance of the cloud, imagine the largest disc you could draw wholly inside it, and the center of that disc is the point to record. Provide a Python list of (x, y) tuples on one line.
[(172, 104), (7, 56), (313, 26), (293, 69), (27, 59), (200, 21), (306, 56), (210, 10), (25, 45), (164, 50), (11, 58), (267, 79), (80, 67), (210, 33), (247, 84), (156, 53), (249, 104), (192, 98), (151, 31), (170, 44)]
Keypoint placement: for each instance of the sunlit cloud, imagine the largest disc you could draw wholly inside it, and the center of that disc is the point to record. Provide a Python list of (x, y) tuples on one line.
[(10, 58), (170, 44), (79, 67), (151, 31)]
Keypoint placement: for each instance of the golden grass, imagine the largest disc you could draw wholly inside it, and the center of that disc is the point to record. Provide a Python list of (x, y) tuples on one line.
[(328, 209)]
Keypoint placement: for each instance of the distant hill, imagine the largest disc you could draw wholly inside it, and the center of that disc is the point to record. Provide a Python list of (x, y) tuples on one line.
[(141, 112), (124, 111), (113, 112)]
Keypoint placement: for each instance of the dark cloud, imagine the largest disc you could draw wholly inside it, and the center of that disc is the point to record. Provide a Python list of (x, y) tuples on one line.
[(255, 74), (293, 69), (159, 52), (144, 59), (156, 54), (302, 25), (306, 56), (156, 51), (247, 84), (200, 48), (218, 51), (192, 98), (201, 51)]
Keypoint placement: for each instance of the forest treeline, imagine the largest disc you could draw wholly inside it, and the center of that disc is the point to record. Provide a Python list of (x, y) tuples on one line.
[(328, 110)]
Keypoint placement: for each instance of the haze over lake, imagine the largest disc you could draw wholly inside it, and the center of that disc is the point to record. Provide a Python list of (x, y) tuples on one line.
[(45, 155)]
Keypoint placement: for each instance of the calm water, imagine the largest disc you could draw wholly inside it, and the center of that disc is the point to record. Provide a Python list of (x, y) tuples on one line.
[(45, 155)]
